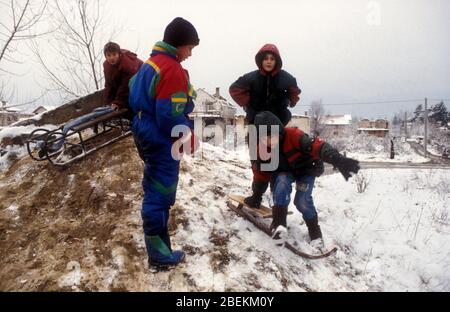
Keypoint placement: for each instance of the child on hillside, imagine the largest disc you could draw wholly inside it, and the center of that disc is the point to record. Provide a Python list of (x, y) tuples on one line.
[(300, 161), (120, 65), (161, 97)]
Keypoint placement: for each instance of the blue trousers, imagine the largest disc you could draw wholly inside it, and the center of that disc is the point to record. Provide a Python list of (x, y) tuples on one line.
[(281, 185), (159, 183)]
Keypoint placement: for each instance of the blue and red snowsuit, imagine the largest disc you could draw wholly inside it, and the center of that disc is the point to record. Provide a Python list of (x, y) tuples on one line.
[(161, 97)]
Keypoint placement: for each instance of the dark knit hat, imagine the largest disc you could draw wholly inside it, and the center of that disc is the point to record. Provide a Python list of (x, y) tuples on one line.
[(180, 32), (268, 119)]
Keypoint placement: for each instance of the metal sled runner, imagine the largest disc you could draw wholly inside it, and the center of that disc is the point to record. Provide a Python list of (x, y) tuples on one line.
[(76, 140), (256, 217)]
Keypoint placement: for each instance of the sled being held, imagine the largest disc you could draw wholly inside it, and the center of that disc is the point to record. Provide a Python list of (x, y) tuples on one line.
[(79, 137), (257, 217)]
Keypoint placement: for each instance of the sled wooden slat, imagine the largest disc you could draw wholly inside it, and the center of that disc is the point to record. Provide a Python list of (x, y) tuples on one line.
[(263, 211)]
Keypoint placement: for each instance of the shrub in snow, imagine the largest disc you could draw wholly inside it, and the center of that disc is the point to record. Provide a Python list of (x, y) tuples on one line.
[(439, 139), (362, 181)]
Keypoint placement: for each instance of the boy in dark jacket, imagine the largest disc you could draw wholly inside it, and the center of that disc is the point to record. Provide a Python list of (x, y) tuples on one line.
[(119, 67), (267, 89), (161, 96), (300, 161)]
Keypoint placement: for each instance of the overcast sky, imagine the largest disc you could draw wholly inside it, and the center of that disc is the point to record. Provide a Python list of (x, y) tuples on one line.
[(339, 51)]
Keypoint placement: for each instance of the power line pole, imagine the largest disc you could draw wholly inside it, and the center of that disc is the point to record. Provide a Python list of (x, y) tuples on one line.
[(406, 126), (426, 127)]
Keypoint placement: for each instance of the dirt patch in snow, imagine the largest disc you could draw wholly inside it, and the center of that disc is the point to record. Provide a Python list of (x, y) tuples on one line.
[(220, 257), (71, 215)]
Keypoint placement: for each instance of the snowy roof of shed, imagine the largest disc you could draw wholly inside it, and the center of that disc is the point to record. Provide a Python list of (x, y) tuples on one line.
[(336, 120)]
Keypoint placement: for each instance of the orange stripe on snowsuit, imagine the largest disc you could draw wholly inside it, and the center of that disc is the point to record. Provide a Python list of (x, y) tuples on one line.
[(155, 67), (157, 48)]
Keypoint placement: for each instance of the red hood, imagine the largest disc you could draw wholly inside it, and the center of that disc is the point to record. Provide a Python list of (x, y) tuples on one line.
[(271, 48), (127, 54), (128, 60)]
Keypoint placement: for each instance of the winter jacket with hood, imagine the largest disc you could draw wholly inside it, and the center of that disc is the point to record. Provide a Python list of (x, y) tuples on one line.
[(261, 91), (161, 96), (117, 77)]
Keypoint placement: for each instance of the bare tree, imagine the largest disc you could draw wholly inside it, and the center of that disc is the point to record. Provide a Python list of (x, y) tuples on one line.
[(77, 44), (20, 22), (7, 93), (316, 113)]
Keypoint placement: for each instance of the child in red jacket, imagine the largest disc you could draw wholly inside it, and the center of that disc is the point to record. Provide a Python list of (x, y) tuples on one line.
[(299, 159), (119, 67)]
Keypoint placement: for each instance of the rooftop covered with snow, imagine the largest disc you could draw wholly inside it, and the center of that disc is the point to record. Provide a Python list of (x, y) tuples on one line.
[(336, 120)]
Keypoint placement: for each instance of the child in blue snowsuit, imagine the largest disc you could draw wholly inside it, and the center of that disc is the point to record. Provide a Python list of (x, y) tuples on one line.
[(161, 97)]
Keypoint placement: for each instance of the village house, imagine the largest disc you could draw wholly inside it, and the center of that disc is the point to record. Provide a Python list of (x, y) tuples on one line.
[(335, 125), (213, 109), (9, 115), (298, 121), (42, 109), (239, 120), (301, 121), (378, 128)]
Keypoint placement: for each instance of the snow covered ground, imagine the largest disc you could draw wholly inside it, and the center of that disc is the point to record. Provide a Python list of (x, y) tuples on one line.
[(80, 229), (398, 228), (392, 237), (11, 152)]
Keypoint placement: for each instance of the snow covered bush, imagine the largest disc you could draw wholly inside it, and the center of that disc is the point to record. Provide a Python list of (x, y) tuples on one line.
[(439, 139), (360, 143), (362, 181)]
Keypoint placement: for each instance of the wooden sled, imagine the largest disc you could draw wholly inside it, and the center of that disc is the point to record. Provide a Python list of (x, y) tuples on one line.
[(257, 219), (262, 211)]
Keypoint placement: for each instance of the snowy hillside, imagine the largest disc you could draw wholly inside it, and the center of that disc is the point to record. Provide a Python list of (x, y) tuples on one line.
[(80, 229)]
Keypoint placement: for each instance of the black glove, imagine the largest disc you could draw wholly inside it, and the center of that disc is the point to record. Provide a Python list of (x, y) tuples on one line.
[(346, 166)]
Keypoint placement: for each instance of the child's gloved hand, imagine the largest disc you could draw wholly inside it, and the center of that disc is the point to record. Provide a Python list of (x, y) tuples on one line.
[(347, 166)]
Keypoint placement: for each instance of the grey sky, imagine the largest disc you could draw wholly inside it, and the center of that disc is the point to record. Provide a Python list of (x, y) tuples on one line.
[(339, 51)]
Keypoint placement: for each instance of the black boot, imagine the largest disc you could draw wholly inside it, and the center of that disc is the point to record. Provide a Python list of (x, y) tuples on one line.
[(253, 201), (279, 215), (278, 226), (314, 228), (258, 188)]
